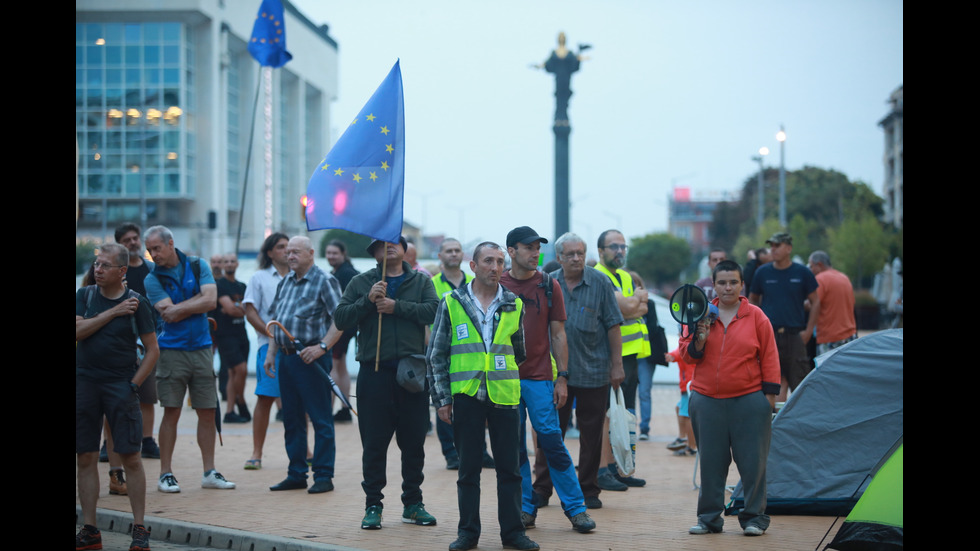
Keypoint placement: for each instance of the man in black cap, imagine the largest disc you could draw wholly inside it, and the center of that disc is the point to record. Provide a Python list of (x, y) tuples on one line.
[(780, 289), (399, 302)]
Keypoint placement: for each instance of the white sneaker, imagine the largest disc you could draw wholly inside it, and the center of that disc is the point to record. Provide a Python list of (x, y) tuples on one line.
[(753, 530), (644, 436), (168, 484), (213, 479)]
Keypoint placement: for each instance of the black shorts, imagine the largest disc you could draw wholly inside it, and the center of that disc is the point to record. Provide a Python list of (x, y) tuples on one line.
[(233, 351), (115, 401), (339, 350)]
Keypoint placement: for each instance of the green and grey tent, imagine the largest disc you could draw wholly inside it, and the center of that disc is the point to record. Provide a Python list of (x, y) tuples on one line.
[(877, 521), (835, 428)]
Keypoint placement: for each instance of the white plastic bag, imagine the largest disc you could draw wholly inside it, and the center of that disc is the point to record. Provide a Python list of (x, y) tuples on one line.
[(622, 433)]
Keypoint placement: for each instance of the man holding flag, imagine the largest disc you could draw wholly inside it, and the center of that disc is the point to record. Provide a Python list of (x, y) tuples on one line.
[(359, 187)]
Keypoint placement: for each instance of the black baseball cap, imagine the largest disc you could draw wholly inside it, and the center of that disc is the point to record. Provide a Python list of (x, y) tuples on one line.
[(523, 234), (401, 240)]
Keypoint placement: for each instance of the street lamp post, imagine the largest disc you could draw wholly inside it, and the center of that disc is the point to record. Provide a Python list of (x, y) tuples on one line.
[(781, 137), (760, 215)]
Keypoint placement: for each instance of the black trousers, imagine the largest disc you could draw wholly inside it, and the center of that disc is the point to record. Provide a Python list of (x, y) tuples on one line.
[(385, 409), (470, 416)]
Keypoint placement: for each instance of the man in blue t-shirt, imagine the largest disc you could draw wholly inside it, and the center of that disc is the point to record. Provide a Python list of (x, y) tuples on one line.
[(781, 288), (183, 291)]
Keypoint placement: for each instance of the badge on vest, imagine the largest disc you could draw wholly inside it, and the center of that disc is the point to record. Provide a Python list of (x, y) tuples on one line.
[(462, 332), (500, 363)]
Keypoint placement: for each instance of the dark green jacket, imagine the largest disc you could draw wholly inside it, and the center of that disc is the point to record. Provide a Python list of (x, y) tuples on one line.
[(402, 333)]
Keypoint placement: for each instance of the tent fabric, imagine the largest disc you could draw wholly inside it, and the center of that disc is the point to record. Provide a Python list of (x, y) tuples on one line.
[(877, 522), (835, 428)]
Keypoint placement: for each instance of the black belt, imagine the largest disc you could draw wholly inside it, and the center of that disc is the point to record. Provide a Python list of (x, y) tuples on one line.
[(782, 330)]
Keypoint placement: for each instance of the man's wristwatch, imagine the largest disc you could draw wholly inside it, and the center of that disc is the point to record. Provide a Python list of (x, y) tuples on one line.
[(563, 374), (323, 345), (134, 387)]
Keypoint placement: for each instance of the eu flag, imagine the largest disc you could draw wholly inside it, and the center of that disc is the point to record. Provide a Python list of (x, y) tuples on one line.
[(360, 185), (268, 42)]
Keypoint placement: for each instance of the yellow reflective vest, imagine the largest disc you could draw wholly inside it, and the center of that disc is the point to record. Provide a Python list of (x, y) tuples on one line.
[(636, 337), (443, 287), (470, 362)]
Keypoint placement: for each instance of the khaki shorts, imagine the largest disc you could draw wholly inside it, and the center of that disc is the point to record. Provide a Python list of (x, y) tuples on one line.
[(186, 370)]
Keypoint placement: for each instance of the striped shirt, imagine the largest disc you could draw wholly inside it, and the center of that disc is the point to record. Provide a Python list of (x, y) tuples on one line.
[(305, 306)]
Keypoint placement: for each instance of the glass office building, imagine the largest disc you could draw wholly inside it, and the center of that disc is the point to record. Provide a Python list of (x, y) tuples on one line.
[(163, 116)]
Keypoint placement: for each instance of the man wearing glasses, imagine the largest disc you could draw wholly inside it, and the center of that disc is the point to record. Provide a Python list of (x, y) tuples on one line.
[(632, 303)]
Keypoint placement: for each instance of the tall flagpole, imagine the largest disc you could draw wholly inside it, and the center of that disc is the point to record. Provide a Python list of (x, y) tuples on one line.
[(267, 135)]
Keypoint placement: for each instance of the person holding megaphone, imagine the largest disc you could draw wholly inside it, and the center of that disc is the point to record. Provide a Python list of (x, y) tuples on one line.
[(736, 380)]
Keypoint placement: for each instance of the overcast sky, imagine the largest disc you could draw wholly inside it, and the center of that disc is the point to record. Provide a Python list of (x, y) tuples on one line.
[(674, 94)]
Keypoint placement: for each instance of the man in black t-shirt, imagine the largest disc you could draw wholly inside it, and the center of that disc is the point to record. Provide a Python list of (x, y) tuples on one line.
[(108, 319), (129, 235), (232, 340)]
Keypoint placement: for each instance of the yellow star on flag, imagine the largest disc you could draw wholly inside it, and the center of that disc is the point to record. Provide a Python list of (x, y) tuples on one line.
[(357, 178), (338, 172), (384, 130), (384, 165), (370, 117)]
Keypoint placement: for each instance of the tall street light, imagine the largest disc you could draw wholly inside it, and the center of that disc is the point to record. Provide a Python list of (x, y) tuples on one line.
[(781, 137), (759, 218)]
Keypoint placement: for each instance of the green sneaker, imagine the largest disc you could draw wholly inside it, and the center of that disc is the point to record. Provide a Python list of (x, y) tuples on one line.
[(372, 518), (416, 514)]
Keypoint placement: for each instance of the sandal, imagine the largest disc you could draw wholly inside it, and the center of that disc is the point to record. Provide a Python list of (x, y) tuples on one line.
[(253, 464)]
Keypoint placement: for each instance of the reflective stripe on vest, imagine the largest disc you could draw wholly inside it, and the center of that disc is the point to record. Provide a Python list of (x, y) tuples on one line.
[(470, 363), (636, 338)]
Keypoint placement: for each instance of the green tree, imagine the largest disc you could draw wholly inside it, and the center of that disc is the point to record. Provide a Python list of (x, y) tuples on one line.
[(659, 257), (357, 244), (859, 247)]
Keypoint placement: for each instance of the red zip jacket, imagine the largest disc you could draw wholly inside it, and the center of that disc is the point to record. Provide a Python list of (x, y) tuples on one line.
[(737, 361)]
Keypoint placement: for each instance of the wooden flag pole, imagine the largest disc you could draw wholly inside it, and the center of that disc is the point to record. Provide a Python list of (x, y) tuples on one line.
[(384, 272)]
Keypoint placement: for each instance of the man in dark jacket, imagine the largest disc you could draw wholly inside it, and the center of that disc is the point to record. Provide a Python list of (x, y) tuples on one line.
[(399, 302)]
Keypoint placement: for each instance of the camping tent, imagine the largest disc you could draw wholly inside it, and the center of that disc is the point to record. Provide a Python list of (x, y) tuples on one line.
[(877, 522), (835, 428)]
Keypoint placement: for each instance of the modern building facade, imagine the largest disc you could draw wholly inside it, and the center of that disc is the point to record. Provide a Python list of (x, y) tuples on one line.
[(689, 215), (894, 159), (164, 99)]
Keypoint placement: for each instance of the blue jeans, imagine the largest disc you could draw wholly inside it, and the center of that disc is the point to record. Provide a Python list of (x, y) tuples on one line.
[(537, 403), (305, 391), (645, 373)]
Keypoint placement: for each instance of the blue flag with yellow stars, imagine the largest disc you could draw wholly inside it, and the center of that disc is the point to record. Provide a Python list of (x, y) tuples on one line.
[(268, 42), (360, 185)]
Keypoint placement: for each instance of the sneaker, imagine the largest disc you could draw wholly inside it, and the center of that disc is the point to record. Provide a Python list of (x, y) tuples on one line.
[(452, 463), (242, 409), (321, 486), (463, 543), (582, 523), (630, 481), (117, 482), (416, 514), (168, 484), (527, 519), (343, 414), (232, 417), (104, 452), (141, 538), (372, 518), (542, 500), (607, 481), (213, 479), (523, 543), (677, 444), (753, 530), (685, 452), (88, 537), (592, 502), (644, 436), (700, 529), (150, 448)]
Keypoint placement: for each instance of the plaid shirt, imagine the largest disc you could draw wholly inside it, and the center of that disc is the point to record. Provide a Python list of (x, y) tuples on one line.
[(592, 310), (305, 306), (437, 357)]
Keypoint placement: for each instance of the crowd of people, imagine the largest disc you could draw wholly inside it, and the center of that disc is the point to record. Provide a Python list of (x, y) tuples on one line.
[(509, 346)]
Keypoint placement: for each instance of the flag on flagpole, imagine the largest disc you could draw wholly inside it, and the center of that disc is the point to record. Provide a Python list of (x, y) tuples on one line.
[(268, 42), (360, 185)]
